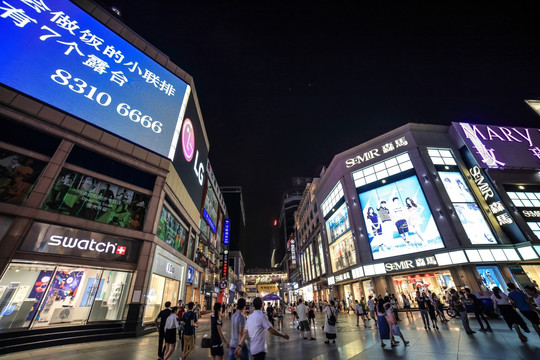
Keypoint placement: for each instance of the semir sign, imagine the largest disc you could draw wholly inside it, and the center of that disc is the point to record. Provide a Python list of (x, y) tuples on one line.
[(376, 152), (51, 239), (427, 261)]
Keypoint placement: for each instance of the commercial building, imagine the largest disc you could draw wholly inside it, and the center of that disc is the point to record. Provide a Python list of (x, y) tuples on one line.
[(103, 179), (430, 207)]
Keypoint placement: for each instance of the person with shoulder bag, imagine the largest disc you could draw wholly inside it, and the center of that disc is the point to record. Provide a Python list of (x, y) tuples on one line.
[(330, 321)]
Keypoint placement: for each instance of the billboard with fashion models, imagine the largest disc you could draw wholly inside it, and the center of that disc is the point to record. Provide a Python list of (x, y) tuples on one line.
[(398, 219)]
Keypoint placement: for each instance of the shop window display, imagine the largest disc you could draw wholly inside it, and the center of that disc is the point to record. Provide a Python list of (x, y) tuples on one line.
[(161, 290), (438, 282), (342, 252), (64, 295)]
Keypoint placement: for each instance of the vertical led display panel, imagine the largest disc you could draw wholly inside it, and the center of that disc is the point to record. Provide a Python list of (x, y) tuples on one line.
[(469, 214), (57, 53), (398, 219), (338, 223)]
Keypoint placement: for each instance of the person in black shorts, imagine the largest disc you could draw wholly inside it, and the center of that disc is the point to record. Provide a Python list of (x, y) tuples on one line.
[(171, 327), (162, 317), (217, 339)]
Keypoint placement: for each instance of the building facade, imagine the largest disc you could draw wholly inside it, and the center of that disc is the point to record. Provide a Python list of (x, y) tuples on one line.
[(431, 207), (105, 197)]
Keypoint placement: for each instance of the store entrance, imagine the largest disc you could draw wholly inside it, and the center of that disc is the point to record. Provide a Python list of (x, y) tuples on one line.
[(438, 282)]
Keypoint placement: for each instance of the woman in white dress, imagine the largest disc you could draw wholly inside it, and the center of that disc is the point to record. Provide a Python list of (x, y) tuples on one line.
[(330, 329)]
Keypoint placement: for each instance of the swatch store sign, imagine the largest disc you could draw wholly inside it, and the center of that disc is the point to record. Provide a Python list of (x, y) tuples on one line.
[(51, 239), (57, 53)]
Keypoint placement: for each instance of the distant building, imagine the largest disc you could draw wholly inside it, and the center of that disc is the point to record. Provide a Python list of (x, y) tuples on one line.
[(235, 206)]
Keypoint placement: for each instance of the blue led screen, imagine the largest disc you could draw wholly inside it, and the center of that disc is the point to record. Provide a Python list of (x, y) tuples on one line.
[(57, 53)]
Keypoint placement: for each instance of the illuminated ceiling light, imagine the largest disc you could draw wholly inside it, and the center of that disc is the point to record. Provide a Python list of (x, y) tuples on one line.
[(446, 167), (521, 187), (384, 181)]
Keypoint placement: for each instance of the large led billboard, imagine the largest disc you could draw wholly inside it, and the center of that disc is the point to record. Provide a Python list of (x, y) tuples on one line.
[(338, 223), (398, 219), (57, 53), (474, 223)]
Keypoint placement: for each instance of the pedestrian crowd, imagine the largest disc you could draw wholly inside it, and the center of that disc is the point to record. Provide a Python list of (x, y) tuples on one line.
[(254, 320)]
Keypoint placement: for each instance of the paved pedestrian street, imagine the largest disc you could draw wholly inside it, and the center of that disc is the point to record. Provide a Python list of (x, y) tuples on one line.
[(450, 342)]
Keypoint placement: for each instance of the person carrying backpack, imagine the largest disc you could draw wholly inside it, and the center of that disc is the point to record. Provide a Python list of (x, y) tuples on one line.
[(330, 322)]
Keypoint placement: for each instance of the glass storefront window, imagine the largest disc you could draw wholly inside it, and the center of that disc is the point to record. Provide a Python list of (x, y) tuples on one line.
[(21, 290), (161, 290), (62, 295), (533, 272), (321, 255), (172, 231), (18, 175), (342, 252), (438, 282), (111, 296)]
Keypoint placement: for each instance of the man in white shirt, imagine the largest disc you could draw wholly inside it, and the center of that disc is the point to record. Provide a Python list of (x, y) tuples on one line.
[(302, 310), (256, 326)]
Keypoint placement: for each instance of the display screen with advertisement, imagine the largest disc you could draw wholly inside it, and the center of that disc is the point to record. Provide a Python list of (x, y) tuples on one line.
[(172, 231), (491, 277), (338, 223), (18, 175), (89, 198), (398, 219), (342, 252), (475, 225), (87, 70), (456, 187)]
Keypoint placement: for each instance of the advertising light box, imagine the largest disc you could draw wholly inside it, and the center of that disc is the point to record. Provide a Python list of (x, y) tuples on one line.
[(57, 53), (500, 147), (398, 219)]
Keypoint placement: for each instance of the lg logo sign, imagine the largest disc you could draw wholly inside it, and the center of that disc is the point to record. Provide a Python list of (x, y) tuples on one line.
[(188, 148)]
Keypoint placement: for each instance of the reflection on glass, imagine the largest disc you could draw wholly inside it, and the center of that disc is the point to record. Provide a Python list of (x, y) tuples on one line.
[(474, 224), (342, 252), (21, 290), (398, 219), (491, 277), (338, 223), (111, 294)]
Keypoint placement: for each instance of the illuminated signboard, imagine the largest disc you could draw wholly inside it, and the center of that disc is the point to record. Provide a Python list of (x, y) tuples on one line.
[(292, 249), (209, 220), (427, 261), (190, 274), (225, 261), (51, 239), (226, 231), (57, 53), (376, 152), (501, 146), (398, 219)]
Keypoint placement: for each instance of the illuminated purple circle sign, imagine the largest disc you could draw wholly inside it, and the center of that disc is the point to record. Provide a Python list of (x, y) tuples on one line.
[(188, 140)]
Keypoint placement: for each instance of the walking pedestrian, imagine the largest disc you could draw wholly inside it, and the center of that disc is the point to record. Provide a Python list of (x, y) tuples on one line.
[(189, 321), (303, 310), (439, 307), (432, 313), (171, 327), (393, 324), (217, 339), (280, 316), (478, 308), (270, 313), (502, 302), (406, 305), (256, 326), (421, 300), (534, 294), (371, 306), (524, 305), (238, 324), (311, 314), (230, 310), (384, 328), (162, 317), (180, 315), (457, 304), (394, 303), (360, 313), (330, 320)]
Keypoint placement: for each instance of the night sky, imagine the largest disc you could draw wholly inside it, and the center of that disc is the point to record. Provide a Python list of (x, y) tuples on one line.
[(284, 86)]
